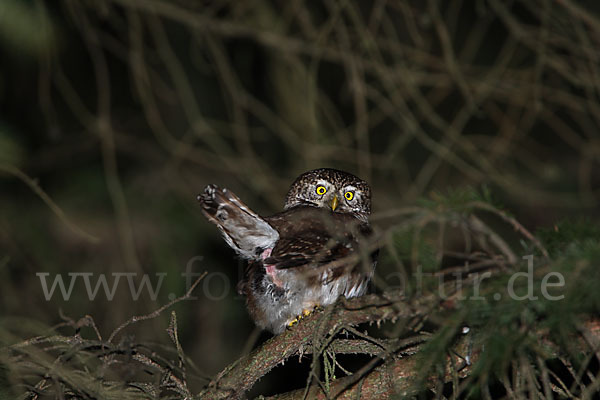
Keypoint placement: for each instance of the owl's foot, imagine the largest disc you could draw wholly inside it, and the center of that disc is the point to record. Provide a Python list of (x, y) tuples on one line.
[(305, 313)]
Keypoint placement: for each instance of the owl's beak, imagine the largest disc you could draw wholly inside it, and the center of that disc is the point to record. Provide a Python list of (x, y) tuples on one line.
[(334, 203)]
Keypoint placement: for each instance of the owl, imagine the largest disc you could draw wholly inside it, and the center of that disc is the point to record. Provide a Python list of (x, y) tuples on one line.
[(304, 257)]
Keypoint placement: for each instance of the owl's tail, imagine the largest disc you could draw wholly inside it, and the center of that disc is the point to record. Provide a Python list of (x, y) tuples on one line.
[(244, 230)]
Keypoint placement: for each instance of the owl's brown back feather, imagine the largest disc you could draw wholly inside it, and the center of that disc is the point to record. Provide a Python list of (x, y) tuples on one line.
[(313, 236)]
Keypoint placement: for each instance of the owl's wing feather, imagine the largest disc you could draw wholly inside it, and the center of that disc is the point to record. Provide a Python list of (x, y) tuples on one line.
[(294, 252), (310, 236), (244, 230)]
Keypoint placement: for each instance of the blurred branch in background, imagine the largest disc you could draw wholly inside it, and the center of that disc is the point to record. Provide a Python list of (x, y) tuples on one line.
[(47, 200), (481, 89), (119, 111)]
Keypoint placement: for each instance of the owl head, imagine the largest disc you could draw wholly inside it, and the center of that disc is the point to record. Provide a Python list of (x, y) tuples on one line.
[(332, 189)]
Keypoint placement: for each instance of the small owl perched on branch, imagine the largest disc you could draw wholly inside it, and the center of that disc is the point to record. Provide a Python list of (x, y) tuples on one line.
[(306, 256)]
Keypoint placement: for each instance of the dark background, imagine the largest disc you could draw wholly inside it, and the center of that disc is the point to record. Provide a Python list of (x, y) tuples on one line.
[(122, 111)]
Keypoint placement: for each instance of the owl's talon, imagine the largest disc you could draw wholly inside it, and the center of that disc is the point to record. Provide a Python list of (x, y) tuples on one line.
[(305, 313)]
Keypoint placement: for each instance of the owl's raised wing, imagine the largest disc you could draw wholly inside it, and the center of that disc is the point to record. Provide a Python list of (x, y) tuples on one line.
[(244, 230)]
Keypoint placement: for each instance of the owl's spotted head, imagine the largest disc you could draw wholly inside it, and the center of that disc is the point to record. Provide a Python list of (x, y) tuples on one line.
[(332, 189)]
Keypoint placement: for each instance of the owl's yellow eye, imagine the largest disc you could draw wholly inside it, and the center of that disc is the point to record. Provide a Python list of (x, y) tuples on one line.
[(321, 190), (349, 195)]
